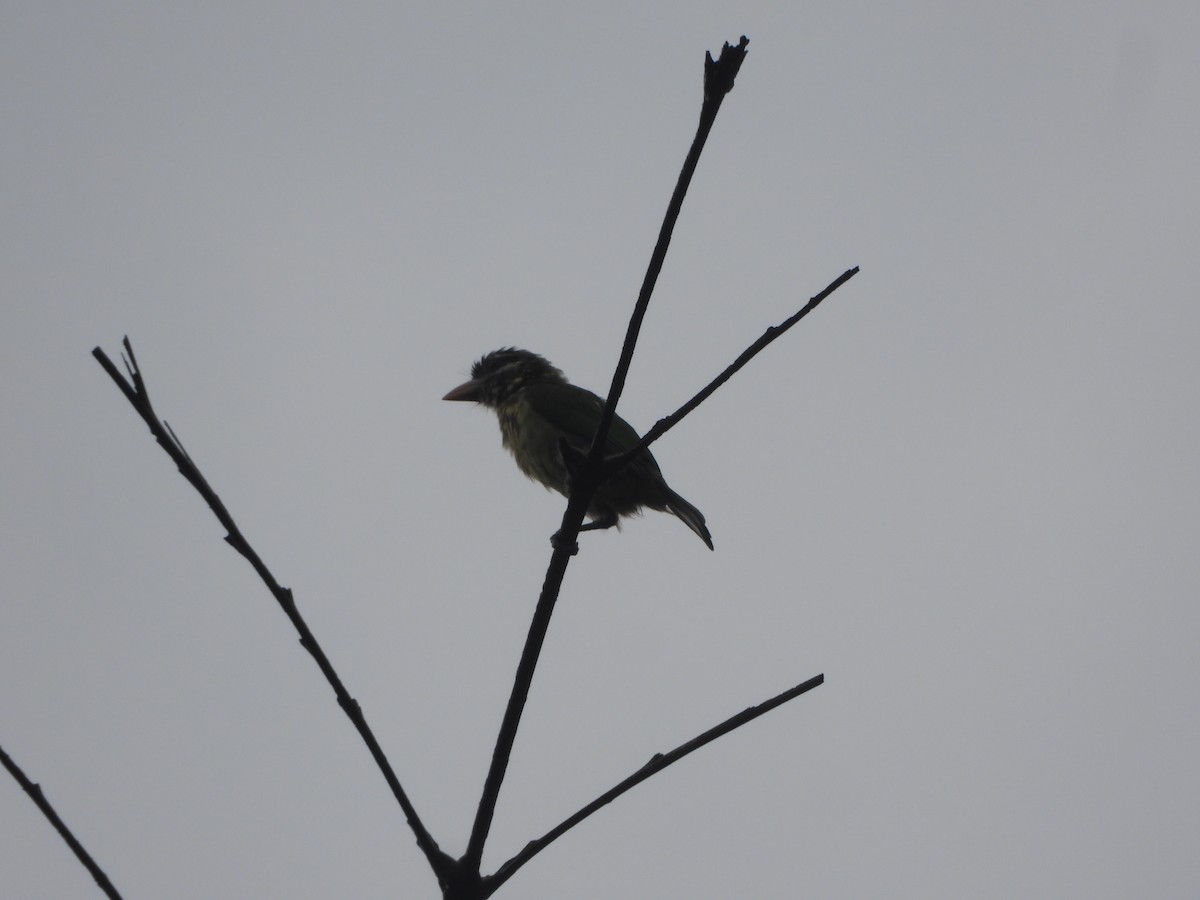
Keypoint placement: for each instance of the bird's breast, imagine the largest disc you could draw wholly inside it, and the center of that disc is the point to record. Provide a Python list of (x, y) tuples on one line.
[(533, 443)]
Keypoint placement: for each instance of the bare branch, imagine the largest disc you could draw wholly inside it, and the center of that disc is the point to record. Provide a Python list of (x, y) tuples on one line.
[(718, 81), (657, 763), (662, 426), (135, 391), (39, 798)]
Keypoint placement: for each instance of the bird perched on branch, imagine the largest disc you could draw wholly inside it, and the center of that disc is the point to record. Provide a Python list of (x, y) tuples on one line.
[(542, 416)]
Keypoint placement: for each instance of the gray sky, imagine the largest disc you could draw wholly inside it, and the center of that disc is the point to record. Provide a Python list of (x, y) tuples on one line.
[(965, 489)]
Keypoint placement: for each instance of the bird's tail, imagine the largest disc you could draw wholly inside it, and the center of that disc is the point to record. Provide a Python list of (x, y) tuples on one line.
[(690, 516)]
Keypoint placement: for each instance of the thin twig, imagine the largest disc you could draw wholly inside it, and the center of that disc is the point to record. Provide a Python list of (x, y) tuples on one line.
[(35, 793), (662, 426), (657, 763), (718, 81), (135, 391)]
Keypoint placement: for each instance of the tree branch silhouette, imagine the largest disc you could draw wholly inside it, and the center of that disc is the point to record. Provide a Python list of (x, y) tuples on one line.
[(461, 879), (39, 798), (657, 763), (135, 391), (718, 81), (665, 424)]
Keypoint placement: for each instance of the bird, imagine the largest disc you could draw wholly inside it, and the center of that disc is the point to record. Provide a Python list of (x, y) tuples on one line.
[(542, 416)]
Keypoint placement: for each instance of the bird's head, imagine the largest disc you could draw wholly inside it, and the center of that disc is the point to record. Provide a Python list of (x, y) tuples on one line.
[(501, 374)]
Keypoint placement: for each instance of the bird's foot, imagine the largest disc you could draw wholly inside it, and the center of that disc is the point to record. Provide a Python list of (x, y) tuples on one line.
[(557, 542)]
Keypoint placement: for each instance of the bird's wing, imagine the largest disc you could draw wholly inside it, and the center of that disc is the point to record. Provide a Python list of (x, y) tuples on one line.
[(576, 412)]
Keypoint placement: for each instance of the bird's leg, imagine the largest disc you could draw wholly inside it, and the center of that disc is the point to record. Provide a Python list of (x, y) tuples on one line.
[(606, 519)]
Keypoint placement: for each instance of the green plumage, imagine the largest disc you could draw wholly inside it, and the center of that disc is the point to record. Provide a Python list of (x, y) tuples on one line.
[(537, 408)]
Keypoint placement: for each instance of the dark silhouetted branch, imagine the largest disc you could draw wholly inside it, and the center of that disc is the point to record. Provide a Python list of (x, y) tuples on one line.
[(718, 81), (35, 793), (662, 426), (657, 763), (135, 391)]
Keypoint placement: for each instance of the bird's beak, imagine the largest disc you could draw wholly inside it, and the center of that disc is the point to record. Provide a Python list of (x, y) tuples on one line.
[(468, 390)]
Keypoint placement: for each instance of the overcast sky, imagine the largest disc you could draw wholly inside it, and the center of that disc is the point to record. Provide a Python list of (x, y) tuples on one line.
[(965, 489)]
